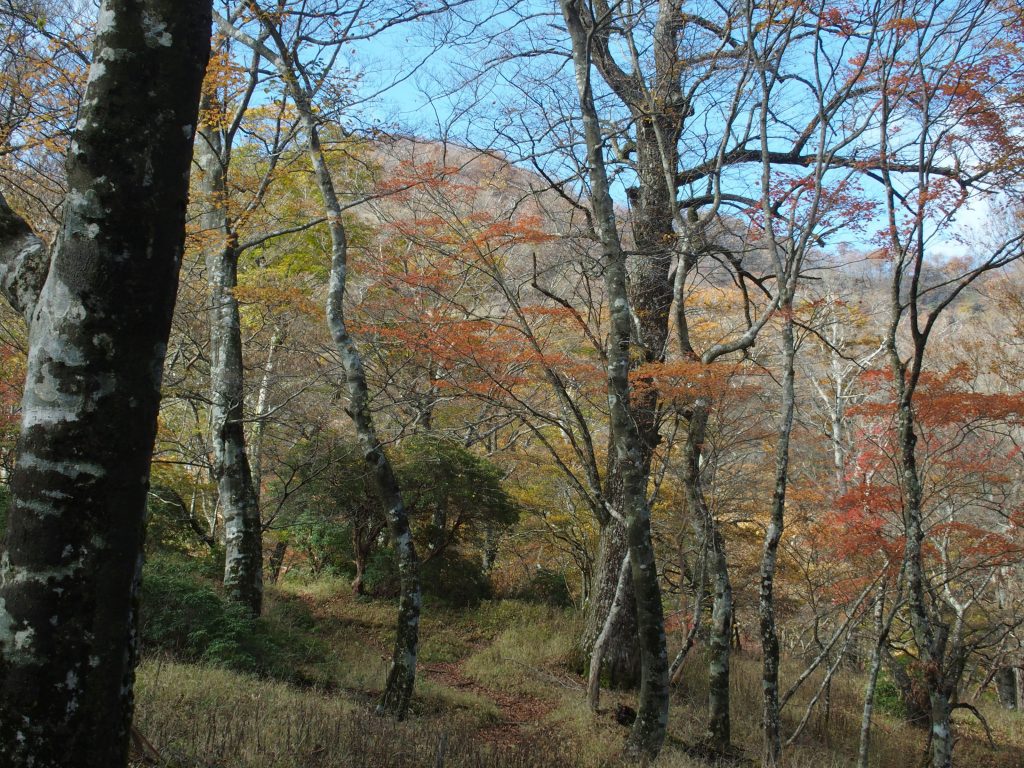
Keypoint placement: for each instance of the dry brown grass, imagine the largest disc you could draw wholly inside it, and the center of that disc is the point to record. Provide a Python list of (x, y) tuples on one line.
[(495, 690)]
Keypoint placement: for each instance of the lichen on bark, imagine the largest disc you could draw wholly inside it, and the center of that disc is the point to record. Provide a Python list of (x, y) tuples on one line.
[(99, 306)]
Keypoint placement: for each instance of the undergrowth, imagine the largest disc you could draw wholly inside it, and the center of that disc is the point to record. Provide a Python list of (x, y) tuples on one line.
[(495, 688)]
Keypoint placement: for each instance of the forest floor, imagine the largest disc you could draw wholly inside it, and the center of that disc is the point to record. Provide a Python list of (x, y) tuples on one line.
[(496, 688)]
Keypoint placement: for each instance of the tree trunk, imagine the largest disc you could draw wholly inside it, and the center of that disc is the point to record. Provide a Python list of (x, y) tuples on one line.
[(864, 748), (930, 637), (361, 544), (648, 734), (708, 531), (358, 589), (70, 575), (621, 599), (650, 295), (243, 535), (766, 604), (881, 635), (1006, 687), (398, 689), (621, 653), (402, 676), (490, 549), (259, 428), (915, 701), (942, 730), (277, 561)]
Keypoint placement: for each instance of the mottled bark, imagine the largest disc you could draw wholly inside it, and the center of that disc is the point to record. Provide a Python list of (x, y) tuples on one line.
[(931, 640), (773, 535), (24, 262), (864, 745), (942, 662), (623, 590), (709, 532), (402, 676), (658, 114), (942, 730), (1006, 687), (620, 657), (648, 732), (239, 504), (70, 575)]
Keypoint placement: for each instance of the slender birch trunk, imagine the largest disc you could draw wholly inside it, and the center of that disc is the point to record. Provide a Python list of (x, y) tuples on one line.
[(707, 530), (260, 426), (881, 637), (99, 324), (769, 557), (398, 689), (402, 675)]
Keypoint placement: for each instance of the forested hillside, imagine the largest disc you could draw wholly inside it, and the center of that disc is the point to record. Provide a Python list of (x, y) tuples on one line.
[(523, 384)]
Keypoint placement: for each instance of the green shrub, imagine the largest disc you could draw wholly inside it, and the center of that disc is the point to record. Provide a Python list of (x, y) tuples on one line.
[(381, 577), (455, 500), (888, 698), (326, 542), (548, 587), (455, 579), (450, 577), (185, 616)]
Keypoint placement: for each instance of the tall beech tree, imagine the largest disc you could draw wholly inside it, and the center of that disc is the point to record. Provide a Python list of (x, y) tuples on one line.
[(657, 88), (99, 304), (237, 496), (648, 732), (679, 87), (233, 218)]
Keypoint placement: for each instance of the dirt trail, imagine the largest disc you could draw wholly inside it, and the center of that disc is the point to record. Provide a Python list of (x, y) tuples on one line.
[(517, 710)]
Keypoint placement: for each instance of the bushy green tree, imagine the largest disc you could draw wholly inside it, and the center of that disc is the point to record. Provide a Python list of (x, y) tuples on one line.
[(454, 495), (455, 498)]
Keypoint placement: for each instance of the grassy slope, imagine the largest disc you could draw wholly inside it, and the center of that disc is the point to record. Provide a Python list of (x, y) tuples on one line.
[(495, 690)]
